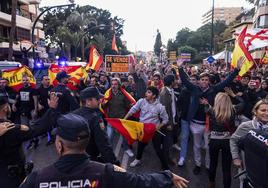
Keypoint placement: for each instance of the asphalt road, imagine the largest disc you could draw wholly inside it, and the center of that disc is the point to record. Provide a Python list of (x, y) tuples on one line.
[(46, 155)]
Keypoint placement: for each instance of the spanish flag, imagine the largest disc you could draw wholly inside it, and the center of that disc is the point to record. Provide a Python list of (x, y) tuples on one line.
[(133, 131), (14, 77), (114, 46), (75, 72), (240, 50), (95, 59), (108, 96)]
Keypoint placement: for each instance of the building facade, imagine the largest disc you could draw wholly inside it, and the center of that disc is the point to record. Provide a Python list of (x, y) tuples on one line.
[(226, 14), (26, 13), (261, 15)]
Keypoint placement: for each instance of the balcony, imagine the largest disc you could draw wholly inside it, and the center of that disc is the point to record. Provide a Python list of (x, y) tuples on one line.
[(34, 1), (25, 2), (5, 17), (38, 25), (261, 11), (16, 47)]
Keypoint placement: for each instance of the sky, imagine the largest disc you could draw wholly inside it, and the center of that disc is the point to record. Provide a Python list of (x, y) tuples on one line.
[(144, 17)]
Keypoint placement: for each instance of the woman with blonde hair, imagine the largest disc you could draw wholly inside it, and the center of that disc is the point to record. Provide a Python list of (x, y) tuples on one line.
[(259, 121), (221, 120)]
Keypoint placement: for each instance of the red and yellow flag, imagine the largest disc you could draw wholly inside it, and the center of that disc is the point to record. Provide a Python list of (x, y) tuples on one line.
[(75, 72), (15, 75), (133, 131), (108, 97), (240, 50), (114, 46), (95, 59)]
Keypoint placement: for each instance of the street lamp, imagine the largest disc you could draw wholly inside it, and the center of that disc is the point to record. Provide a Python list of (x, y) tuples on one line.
[(212, 29), (36, 20), (101, 27)]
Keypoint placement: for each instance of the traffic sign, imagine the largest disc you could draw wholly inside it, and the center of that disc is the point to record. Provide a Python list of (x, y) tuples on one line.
[(210, 59)]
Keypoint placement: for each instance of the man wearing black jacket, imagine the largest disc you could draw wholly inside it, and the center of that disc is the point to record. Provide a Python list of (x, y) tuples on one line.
[(12, 158), (196, 112)]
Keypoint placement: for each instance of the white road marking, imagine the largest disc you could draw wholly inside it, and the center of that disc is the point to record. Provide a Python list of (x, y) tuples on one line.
[(118, 146), (124, 162)]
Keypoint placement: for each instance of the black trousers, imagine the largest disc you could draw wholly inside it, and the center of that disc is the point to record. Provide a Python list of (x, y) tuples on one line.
[(161, 145), (215, 146)]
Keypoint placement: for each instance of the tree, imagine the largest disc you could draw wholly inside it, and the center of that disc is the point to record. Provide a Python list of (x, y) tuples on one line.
[(78, 20), (66, 39), (158, 44), (182, 36), (80, 23), (13, 29), (100, 42), (171, 46)]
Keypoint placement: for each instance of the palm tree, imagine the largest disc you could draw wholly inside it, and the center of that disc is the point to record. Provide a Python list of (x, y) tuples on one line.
[(65, 39), (13, 29), (80, 21), (100, 42)]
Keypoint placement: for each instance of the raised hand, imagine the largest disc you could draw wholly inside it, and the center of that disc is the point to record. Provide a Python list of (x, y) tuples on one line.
[(6, 126), (53, 101), (180, 62)]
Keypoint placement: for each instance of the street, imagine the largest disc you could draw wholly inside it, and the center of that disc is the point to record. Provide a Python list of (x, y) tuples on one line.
[(46, 155)]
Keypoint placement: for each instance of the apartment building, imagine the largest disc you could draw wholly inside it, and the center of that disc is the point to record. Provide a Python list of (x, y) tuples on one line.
[(27, 12), (226, 14)]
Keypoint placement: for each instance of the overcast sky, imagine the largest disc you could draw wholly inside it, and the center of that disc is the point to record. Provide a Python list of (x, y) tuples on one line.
[(144, 17)]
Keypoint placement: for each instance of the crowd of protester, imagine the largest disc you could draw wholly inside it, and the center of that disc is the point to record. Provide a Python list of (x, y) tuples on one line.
[(209, 102)]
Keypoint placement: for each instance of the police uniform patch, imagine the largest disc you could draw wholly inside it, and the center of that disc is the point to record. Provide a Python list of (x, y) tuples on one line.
[(118, 169), (102, 126)]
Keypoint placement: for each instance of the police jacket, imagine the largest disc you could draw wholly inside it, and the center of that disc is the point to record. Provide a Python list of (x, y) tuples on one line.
[(11, 152), (67, 101), (99, 143), (77, 170)]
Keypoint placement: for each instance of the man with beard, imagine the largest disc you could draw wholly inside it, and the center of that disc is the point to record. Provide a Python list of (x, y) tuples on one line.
[(27, 104), (67, 101), (43, 95)]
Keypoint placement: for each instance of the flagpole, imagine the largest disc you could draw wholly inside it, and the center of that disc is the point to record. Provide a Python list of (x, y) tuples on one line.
[(160, 133)]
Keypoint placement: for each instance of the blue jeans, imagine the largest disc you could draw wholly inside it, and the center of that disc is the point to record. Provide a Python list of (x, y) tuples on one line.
[(185, 131)]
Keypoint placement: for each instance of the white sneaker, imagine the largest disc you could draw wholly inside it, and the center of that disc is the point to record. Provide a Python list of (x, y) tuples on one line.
[(129, 153), (181, 162), (134, 163)]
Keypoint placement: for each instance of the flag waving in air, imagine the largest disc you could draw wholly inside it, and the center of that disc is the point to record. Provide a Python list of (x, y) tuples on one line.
[(133, 131), (95, 59), (114, 46), (14, 77), (241, 50), (76, 73)]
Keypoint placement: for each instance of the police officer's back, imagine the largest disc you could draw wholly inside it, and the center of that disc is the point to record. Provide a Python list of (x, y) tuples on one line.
[(99, 142), (67, 101), (74, 169)]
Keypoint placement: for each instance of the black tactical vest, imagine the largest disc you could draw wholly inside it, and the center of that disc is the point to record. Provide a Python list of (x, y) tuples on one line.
[(91, 175)]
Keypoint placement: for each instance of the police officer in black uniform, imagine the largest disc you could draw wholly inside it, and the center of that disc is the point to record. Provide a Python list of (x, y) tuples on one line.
[(74, 169), (67, 101), (12, 158), (99, 147), (99, 142)]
